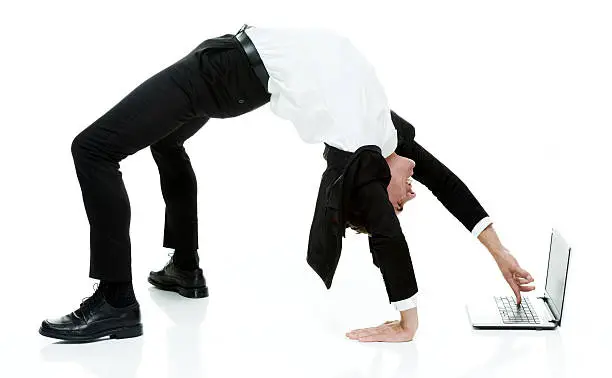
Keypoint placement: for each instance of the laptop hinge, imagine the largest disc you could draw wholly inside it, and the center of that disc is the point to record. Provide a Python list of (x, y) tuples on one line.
[(551, 313)]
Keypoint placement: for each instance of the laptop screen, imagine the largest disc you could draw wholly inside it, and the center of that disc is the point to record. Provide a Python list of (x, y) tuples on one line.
[(558, 260)]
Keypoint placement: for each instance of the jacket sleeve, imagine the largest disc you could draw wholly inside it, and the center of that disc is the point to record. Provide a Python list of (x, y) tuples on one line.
[(454, 195), (387, 242)]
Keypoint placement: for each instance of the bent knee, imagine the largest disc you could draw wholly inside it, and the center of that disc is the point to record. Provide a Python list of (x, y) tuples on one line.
[(79, 145), (164, 149), (88, 145)]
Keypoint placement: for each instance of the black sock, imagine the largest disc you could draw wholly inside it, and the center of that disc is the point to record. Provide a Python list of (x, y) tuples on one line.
[(186, 259), (118, 294)]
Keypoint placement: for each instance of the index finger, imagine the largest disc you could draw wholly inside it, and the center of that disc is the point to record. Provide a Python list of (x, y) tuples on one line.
[(517, 292)]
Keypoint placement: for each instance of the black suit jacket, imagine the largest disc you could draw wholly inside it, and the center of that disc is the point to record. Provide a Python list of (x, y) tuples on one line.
[(345, 174), (341, 181)]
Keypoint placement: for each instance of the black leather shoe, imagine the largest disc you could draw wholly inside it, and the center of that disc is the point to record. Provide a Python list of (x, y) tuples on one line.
[(188, 283), (95, 319)]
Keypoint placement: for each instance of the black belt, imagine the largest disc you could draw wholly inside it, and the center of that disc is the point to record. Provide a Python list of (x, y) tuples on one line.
[(253, 56)]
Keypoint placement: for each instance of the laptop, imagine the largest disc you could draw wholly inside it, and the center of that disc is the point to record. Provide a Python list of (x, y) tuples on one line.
[(535, 312)]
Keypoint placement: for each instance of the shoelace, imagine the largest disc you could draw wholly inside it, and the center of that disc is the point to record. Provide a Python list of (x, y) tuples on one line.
[(171, 255), (87, 300)]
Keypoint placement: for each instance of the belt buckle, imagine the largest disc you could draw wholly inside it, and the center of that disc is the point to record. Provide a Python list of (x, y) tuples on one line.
[(243, 28)]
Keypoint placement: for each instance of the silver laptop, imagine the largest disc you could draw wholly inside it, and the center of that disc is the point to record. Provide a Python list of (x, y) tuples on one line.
[(535, 312)]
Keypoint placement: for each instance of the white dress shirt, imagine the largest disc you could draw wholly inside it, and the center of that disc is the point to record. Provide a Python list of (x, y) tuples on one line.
[(322, 84)]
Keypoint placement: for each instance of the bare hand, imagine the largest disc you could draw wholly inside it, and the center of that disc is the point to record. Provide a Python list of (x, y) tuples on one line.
[(400, 186), (516, 276), (390, 331)]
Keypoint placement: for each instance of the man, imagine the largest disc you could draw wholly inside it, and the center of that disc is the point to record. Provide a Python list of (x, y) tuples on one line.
[(384, 231), (225, 77)]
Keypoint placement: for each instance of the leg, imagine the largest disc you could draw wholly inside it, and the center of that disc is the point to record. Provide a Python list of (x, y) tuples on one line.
[(213, 81), (179, 190), (147, 114)]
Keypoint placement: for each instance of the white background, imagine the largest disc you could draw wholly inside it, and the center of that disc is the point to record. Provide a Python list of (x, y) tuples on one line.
[(513, 96)]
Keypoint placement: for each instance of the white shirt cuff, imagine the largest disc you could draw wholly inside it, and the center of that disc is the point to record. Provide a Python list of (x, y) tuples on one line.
[(480, 226), (405, 304)]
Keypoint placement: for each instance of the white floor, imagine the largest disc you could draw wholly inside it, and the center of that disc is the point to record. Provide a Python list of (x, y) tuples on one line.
[(279, 321), (268, 314)]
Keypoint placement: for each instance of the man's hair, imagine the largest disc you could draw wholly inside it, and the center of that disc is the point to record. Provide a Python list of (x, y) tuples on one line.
[(358, 229)]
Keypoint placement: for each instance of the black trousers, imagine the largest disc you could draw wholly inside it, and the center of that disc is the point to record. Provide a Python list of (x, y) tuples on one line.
[(214, 80)]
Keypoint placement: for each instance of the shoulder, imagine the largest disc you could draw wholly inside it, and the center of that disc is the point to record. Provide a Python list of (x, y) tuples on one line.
[(369, 165)]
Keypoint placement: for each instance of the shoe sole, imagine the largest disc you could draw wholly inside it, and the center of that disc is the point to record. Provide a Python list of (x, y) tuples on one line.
[(114, 333), (187, 292)]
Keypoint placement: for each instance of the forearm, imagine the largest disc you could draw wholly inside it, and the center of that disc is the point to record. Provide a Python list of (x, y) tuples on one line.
[(488, 237)]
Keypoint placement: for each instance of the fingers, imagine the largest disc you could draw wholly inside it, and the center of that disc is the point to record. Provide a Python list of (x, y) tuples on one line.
[(522, 281), (522, 273), (369, 331), (513, 266), (522, 284), (389, 331), (518, 281), (360, 333), (517, 277), (374, 338), (363, 332), (515, 288)]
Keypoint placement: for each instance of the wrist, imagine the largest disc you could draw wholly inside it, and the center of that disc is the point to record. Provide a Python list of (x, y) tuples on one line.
[(393, 161), (498, 252), (488, 237), (409, 318)]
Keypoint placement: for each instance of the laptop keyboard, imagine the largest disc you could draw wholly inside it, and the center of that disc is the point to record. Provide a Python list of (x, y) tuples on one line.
[(511, 313)]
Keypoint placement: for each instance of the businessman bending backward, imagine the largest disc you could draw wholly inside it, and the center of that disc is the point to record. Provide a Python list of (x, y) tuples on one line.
[(319, 81)]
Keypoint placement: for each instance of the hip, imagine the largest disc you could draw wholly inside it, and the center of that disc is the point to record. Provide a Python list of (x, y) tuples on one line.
[(220, 80)]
